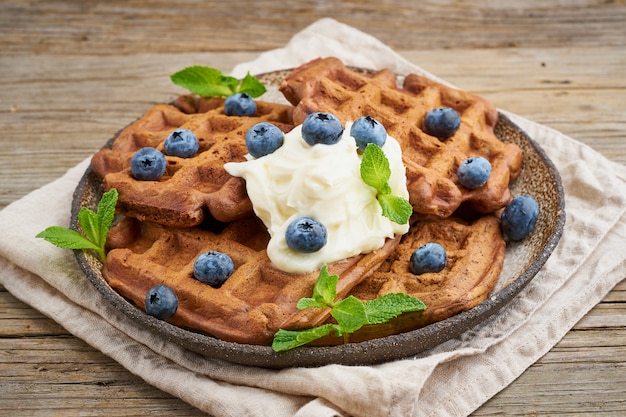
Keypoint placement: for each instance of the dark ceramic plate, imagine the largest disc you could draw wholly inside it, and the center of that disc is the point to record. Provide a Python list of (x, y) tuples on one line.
[(538, 178)]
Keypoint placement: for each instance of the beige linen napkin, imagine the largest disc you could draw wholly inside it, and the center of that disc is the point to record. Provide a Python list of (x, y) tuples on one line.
[(451, 380)]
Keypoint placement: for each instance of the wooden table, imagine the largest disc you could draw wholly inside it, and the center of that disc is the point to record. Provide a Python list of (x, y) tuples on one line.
[(73, 72)]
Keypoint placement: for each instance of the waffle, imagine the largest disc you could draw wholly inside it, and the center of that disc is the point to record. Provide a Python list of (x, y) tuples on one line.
[(157, 242), (258, 299), (192, 189), (327, 85), (251, 305), (476, 252)]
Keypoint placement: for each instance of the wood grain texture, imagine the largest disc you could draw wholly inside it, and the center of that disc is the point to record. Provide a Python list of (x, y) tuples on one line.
[(159, 26), (73, 73)]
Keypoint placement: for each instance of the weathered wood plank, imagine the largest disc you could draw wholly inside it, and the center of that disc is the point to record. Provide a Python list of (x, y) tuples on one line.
[(595, 389), (60, 375), (22, 327), (609, 315), (618, 294), (119, 27), (20, 320)]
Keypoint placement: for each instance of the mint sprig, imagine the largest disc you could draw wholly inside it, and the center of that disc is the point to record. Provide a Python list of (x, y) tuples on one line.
[(375, 172), (350, 313), (324, 291), (95, 226), (210, 82)]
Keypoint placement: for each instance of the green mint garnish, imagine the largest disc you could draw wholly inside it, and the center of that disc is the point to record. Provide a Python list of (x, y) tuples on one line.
[(350, 313), (375, 172), (382, 309), (211, 82), (95, 226), (324, 291), (289, 339)]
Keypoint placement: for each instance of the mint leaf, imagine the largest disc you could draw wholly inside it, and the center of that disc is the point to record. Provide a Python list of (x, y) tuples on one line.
[(95, 226), (350, 314), (251, 86), (396, 209), (88, 221), (204, 81), (106, 214), (210, 82), (389, 306), (324, 291), (375, 172), (66, 238), (230, 82), (289, 339), (309, 303)]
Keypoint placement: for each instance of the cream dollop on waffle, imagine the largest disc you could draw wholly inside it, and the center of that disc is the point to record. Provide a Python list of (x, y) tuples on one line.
[(322, 182)]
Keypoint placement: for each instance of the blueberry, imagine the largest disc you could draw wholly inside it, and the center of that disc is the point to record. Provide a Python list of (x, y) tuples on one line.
[(368, 130), (474, 172), (182, 143), (322, 128), (240, 104), (430, 257), (263, 139), (442, 122), (213, 268), (519, 217), (161, 302), (306, 235), (148, 164)]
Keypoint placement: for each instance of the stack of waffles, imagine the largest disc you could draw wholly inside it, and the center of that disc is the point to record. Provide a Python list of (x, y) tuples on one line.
[(198, 207)]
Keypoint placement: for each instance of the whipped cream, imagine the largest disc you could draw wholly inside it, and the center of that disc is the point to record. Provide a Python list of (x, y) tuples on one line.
[(322, 182)]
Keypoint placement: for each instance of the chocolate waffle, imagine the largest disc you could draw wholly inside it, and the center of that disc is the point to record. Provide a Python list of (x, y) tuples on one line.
[(476, 252), (329, 86), (258, 299), (251, 305), (192, 189)]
